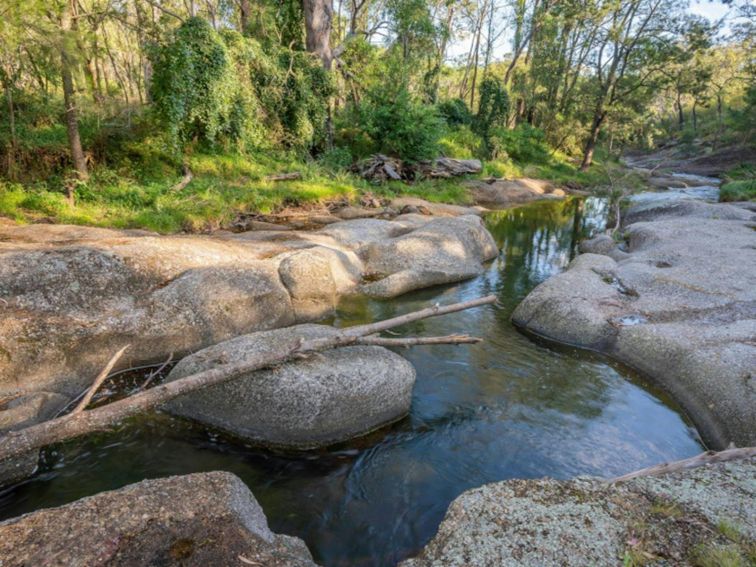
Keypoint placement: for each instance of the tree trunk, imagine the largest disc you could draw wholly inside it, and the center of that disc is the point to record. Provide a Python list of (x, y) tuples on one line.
[(69, 97), (245, 12), (590, 144), (318, 14), (12, 123), (680, 114)]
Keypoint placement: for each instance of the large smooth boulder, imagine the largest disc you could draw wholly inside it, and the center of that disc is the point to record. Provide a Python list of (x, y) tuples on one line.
[(193, 520), (502, 193), (72, 296), (22, 411), (677, 519), (678, 304), (329, 397), (444, 250)]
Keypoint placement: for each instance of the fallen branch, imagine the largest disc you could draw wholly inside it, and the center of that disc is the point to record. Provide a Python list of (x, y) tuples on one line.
[(284, 176), (98, 381), (707, 458), (21, 442), (415, 341), (185, 180), (156, 372)]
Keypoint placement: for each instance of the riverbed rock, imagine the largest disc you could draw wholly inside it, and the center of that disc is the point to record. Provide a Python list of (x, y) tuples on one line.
[(193, 520), (22, 411), (415, 204), (501, 193), (316, 277), (444, 250), (682, 518), (329, 397), (679, 305), (71, 296)]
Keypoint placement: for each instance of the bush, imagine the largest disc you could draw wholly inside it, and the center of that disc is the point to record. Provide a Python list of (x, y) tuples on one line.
[(523, 144), (194, 85), (461, 143), (493, 109), (455, 112), (336, 159), (399, 126), (742, 190)]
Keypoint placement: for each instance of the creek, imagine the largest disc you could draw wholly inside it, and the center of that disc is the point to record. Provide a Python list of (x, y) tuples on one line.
[(509, 407)]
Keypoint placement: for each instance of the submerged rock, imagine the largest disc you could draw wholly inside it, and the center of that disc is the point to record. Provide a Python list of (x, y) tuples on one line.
[(677, 519), (330, 397), (193, 520), (679, 305)]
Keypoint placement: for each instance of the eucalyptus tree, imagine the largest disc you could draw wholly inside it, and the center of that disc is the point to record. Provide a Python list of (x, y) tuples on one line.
[(630, 48)]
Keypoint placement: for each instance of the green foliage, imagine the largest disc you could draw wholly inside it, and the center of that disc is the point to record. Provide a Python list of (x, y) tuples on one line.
[(742, 190), (455, 112), (522, 144), (400, 126), (462, 143), (493, 110), (335, 159), (223, 87), (194, 86)]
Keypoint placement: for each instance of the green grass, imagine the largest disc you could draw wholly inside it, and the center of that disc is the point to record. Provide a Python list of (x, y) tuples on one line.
[(742, 190), (135, 191), (740, 184)]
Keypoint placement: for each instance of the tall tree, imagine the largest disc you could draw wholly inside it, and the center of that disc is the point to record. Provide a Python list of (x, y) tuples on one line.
[(68, 42), (318, 16)]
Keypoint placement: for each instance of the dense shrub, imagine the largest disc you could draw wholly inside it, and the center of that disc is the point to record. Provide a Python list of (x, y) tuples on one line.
[(223, 87), (194, 85), (522, 144), (455, 112), (461, 142), (493, 109), (740, 190), (400, 126)]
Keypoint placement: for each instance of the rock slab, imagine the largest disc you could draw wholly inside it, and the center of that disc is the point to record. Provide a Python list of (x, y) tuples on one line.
[(681, 519), (677, 301), (193, 520), (330, 397), (72, 296)]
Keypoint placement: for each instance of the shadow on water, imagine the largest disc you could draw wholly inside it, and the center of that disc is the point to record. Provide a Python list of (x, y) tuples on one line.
[(506, 408)]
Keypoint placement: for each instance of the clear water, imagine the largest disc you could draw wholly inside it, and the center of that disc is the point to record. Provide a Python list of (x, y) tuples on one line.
[(506, 408)]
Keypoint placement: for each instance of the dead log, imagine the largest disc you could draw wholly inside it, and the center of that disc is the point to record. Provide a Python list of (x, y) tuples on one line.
[(284, 176), (17, 443), (707, 458), (185, 180)]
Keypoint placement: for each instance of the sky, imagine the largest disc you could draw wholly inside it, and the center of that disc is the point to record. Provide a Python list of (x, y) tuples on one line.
[(458, 49)]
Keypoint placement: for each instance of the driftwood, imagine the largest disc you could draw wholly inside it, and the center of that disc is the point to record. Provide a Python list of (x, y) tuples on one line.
[(17, 443), (185, 180), (707, 458), (98, 381), (379, 167), (284, 176)]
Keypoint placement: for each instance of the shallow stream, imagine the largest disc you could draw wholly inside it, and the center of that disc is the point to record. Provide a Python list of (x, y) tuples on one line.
[(507, 408)]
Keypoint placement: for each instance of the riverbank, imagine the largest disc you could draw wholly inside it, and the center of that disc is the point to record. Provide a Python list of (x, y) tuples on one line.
[(228, 191)]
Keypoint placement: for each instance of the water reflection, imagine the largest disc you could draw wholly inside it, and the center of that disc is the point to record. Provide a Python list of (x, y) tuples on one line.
[(505, 408)]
